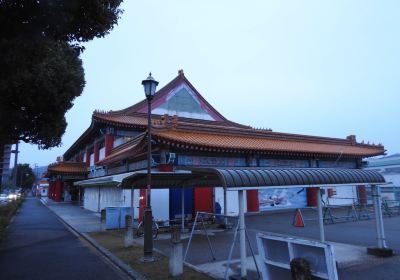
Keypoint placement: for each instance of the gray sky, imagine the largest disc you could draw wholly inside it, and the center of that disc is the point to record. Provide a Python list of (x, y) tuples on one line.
[(327, 68)]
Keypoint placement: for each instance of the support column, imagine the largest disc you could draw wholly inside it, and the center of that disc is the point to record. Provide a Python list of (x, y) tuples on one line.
[(242, 237), (312, 194), (380, 233), (108, 143), (58, 190), (382, 250), (50, 189), (320, 216), (128, 240), (362, 195), (183, 209), (252, 201), (225, 208)]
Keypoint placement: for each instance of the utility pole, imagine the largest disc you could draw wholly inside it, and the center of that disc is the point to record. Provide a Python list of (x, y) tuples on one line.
[(15, 164)]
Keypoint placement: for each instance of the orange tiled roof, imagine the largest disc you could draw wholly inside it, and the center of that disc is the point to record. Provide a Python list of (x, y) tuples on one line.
[(120, 119), (194, 140), (66, 167), (127, 150), (261, 142)]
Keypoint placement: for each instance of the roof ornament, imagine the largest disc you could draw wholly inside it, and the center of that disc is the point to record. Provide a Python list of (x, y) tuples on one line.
[(180, 72), (352, 139)]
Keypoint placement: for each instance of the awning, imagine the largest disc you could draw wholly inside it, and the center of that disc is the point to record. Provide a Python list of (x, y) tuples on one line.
[(253, 178), (164, 180), (112, 180)]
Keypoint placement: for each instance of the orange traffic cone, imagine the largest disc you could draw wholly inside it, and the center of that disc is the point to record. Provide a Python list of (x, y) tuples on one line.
[(298, 219)]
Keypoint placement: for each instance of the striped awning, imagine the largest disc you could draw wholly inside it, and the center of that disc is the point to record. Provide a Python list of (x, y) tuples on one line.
[(253, 178), (256, 177)]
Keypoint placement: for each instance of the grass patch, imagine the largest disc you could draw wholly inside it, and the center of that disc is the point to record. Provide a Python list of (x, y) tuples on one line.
[(113, 241), (6, 213)]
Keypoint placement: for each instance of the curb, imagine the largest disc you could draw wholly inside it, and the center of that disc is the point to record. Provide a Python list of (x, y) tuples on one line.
[(106, 253)]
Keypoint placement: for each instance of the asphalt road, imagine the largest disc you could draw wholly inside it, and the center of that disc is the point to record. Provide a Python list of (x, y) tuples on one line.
[(362, 233), (38, 246)]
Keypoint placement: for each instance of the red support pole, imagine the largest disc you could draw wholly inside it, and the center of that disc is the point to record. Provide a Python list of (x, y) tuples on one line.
[(52, 190), (362, 195), (108, 143), (58, 190), (312, 196), (142, 203), (49, 189), (252, 201), (96, 152)]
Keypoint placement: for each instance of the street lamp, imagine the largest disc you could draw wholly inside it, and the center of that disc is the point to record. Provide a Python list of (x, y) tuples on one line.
[(149, 89)]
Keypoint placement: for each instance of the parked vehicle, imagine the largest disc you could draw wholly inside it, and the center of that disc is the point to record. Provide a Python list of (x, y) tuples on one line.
[(3, 197)]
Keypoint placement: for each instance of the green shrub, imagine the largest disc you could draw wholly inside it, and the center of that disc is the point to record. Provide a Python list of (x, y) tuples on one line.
[(6, 213)]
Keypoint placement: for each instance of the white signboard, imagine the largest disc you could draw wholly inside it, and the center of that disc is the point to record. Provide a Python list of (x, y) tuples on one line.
[(277, 251)]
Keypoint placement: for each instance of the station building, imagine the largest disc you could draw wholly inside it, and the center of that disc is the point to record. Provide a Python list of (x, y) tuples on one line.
[(187, 131)]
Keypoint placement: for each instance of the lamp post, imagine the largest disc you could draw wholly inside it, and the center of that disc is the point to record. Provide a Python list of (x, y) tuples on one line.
[(149, 89)]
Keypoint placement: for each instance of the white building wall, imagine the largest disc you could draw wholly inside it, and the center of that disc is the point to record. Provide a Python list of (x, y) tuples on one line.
[(102, 153), (113, 196), (344, 195), (126, 201), (109, 196), (91, 159), (118, 141), (232, 198), (91, 199), (160, 204)]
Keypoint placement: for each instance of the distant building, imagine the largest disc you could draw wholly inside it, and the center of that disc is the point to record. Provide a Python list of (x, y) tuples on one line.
[(389, 167), (42, 188), (5, 171)]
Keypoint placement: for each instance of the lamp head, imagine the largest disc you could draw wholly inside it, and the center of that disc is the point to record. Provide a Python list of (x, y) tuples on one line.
[(149, 86)]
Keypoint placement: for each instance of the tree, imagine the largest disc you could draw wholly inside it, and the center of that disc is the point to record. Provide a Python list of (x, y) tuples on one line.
[(41, 72), (40, 80), (25, 176)]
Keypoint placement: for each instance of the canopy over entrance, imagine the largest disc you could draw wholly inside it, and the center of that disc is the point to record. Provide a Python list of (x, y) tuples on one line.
[(255, 177), (111, 180)]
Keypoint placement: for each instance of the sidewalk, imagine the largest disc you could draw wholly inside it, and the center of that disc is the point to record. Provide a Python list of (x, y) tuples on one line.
[(37, 245), (79, 218), (353, 262)]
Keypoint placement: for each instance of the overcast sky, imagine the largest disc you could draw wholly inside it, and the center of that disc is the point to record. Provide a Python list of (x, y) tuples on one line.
[(326, 68)]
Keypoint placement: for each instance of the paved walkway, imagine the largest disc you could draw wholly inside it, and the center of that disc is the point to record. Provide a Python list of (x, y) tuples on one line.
[(349, 239), (39, 246)]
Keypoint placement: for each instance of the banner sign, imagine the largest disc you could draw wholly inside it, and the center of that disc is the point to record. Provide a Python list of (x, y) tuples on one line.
[(339, 164), (285, 163), (210, 161), (282, 198)]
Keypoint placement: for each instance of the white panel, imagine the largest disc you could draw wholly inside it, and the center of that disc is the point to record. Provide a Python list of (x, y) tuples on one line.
[(345, 195), (84, 157), (110, 196), (102, 153), (91, 198), (118, 141), (91, 159), (160, 204), (126, 198), (395, 179), (232, 201)]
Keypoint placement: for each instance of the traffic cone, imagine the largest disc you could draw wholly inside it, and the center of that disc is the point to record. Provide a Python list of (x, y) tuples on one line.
[(298, 219)]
